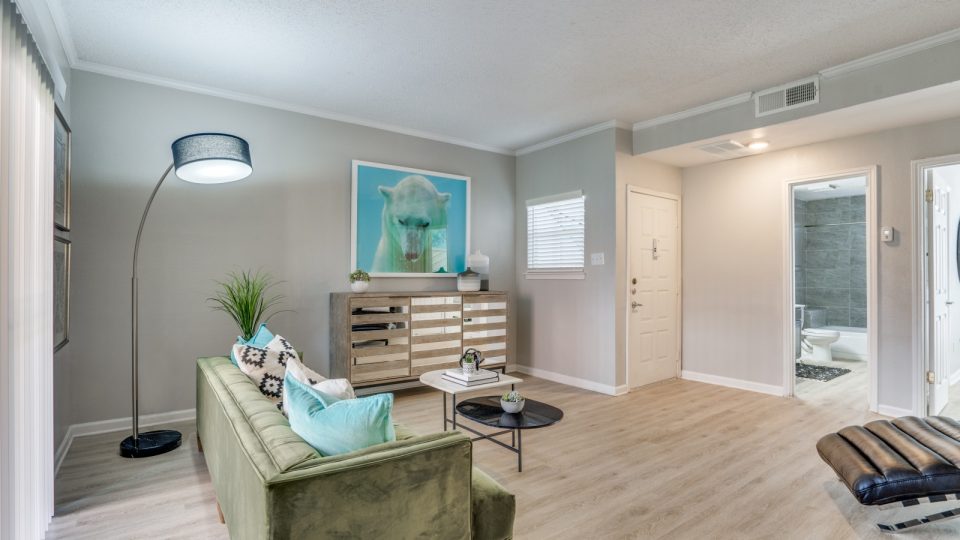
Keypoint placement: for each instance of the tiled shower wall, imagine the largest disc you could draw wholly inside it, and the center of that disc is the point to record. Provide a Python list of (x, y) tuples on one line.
[(831, 258)]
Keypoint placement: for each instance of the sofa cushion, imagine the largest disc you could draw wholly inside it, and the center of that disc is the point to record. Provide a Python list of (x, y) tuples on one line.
[(336, 388), (338, 426)]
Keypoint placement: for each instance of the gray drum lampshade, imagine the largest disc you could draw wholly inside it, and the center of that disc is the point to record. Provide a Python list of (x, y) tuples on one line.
[(211, 158)]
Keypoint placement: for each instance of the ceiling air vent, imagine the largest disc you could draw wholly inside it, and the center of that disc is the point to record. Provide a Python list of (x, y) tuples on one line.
[(726, 149), (787, 96)]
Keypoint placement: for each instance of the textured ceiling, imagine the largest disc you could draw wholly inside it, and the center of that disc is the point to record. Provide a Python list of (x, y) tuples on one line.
[(499, 73)]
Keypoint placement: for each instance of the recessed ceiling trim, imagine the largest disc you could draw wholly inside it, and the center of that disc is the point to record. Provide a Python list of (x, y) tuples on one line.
[(705, 108), (137, 76), (62, 27), (892, 54), (573, 135)]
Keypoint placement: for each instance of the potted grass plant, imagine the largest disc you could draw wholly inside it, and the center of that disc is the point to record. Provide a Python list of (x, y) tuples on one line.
[(243, 296)]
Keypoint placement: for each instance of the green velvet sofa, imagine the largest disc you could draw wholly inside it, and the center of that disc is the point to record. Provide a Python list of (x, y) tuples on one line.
[(271, 484)]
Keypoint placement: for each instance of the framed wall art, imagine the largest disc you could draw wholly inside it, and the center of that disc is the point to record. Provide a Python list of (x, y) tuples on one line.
[(61, 292), (409, 222), (61, 172)]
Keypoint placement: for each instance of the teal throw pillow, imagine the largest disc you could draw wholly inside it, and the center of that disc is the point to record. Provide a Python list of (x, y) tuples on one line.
[(334, 426), (259, 340)]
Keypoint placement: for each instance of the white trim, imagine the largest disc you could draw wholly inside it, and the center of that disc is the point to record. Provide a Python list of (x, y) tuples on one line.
[(918, 269), (575, 194), (891, 54), (955, 378), (729, 382), (694, 111), (533, 274), (593, 386), (626, 304), (870, 172), (47, 37), (353, 218), (62, 28), (590, 130), (893, 412), (83, 65), (117, 424)]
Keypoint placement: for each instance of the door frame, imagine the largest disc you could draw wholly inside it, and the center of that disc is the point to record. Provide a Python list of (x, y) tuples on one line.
[(626, 278), (789, 285), (921, 324)]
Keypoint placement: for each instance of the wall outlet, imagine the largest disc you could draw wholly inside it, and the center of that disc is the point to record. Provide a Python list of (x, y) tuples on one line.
[(596, 259)]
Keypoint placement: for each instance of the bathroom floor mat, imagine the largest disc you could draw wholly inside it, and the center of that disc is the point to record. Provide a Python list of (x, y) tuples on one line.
[(819, 373)]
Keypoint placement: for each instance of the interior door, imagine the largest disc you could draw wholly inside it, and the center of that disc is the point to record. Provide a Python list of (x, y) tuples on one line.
[(938, 268), (653, 289)]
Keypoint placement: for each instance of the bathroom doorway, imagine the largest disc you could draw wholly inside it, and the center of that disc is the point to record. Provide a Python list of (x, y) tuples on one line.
[(831, 357)]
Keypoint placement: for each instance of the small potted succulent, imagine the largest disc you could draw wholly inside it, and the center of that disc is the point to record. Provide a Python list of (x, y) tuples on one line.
[(359, 281), (512, 402)]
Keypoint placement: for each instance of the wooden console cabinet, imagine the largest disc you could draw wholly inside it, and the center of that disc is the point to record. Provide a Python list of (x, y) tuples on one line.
[(384, 338)]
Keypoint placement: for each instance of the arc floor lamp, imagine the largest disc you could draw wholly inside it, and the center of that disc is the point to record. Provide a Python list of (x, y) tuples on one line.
[(201, 158)]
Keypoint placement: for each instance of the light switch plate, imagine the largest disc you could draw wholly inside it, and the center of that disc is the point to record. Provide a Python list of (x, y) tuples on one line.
[(887, 234), (596, 259)]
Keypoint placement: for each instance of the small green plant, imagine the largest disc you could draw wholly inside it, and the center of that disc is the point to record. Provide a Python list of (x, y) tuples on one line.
[(244, 297), (468, 359), (512, 397), (359, 275)]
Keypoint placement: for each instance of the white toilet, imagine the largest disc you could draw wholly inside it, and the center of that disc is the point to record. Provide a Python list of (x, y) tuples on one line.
[(816, 344)]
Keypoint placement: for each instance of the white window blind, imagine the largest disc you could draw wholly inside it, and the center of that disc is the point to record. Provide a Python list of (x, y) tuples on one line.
[(555, 233)]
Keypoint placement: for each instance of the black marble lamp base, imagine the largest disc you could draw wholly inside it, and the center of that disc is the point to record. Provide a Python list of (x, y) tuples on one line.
[(150, 443)]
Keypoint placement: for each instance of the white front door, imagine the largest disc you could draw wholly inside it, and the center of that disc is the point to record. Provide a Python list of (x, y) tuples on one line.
[(938, 268), (652, 289)]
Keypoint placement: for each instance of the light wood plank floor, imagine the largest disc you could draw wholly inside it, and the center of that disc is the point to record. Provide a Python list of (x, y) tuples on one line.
[(677, 459), (849, 390)]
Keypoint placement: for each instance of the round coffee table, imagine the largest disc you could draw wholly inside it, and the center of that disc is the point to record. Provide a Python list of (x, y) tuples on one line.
[(487, 411)]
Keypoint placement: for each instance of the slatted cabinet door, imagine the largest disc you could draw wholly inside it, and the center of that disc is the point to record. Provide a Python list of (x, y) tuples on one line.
[(435, 333), (485, 327), (379, 338)]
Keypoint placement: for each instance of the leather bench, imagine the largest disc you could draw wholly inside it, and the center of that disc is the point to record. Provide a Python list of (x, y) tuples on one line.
[(904, 462)]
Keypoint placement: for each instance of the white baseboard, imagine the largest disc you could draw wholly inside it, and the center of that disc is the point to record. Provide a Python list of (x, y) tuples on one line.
[(894, 412), (113, 425), (573, 381), (955, 378), (730, 382)]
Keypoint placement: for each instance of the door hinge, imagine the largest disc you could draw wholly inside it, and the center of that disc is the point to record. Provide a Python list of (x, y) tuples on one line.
[(931, 377), (928, 195)]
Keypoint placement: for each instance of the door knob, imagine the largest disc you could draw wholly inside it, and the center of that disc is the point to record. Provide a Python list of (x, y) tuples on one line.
[(635, 305)]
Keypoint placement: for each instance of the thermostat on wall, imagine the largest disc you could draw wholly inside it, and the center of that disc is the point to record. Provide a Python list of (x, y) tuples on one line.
[(887, 234)]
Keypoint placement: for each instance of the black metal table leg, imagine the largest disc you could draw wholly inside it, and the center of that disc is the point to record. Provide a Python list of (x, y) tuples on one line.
[(444, 396), (519, 451), (453, 405)]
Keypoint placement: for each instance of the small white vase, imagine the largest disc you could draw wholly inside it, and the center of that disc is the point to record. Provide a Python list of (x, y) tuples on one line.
[(512, 406), (359, 286)]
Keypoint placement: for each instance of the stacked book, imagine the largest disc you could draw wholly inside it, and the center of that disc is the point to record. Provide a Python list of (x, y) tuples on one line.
[(481, 376)]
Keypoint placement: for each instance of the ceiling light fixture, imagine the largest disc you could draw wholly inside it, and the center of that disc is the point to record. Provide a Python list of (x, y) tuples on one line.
[(758, 145)]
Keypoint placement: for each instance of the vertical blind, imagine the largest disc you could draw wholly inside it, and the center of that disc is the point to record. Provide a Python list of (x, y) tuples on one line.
[(555, 232), (26, 282)]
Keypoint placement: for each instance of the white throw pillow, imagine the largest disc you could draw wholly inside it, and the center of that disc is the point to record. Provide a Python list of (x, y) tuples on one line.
[(266, 366), (338, 389)]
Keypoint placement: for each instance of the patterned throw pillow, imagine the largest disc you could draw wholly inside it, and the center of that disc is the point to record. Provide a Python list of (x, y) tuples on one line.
[(266, 366)]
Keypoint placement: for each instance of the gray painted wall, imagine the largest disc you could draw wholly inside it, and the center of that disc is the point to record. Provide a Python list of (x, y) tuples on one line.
[(733, 239), (291, 218), (567, 326), (831, 264)]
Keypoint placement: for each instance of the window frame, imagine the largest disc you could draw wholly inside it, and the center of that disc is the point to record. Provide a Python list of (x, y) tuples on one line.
[(556, 273)]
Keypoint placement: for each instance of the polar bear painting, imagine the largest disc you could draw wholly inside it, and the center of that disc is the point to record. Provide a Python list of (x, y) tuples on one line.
[(414, 214)]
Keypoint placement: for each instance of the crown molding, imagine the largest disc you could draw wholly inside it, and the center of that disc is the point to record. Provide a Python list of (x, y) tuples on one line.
[(705, 108), (47, 37), (892, 54), (590, 130), (120, 73)]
